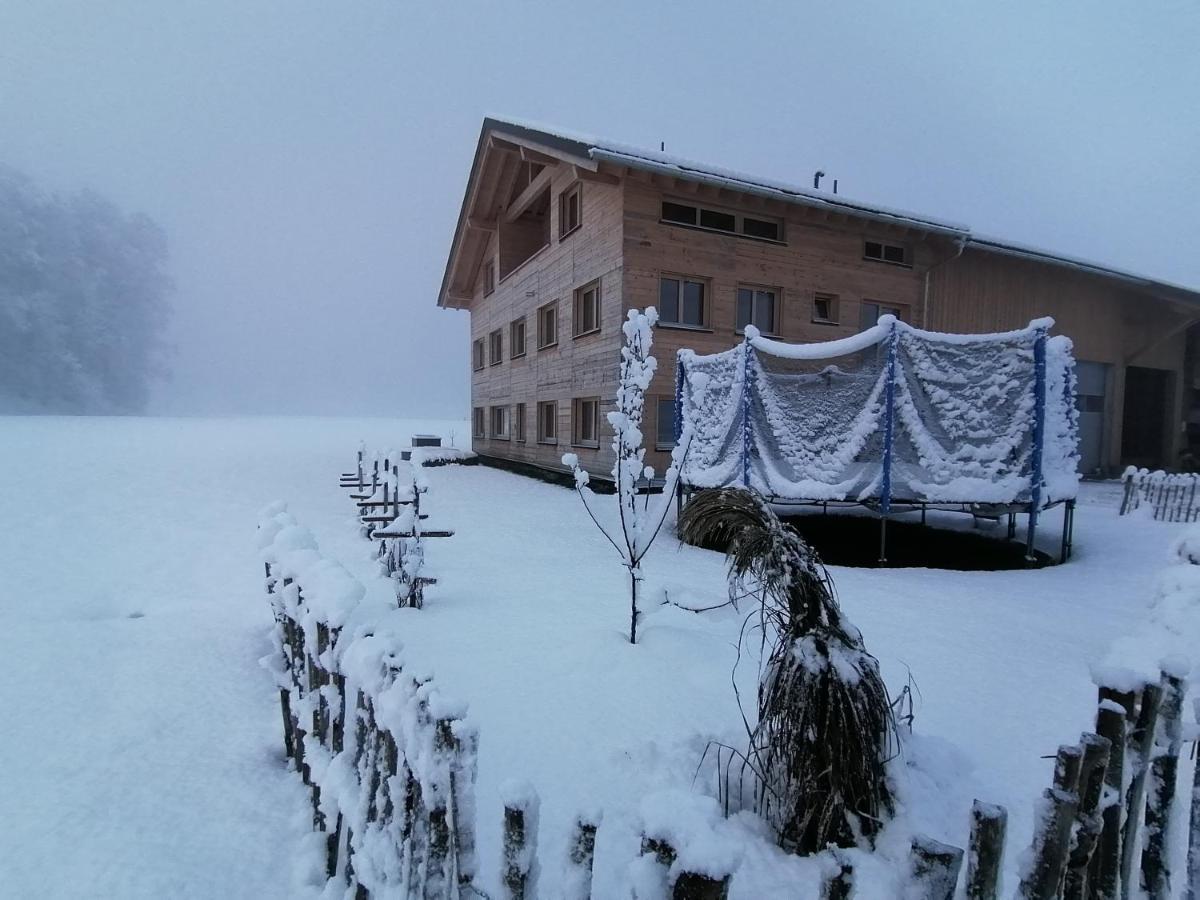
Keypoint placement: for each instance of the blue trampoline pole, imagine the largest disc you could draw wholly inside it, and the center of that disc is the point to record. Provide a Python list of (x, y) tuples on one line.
[(889, 401), (747, 438), (1039, 436)]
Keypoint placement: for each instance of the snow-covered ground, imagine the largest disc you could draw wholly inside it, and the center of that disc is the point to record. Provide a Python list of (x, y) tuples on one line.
[(142, 748)]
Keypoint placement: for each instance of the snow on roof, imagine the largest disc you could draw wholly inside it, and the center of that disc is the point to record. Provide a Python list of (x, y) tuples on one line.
[(603, 149)]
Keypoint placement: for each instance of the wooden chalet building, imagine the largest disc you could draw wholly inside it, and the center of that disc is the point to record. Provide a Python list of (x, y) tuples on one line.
[(559, 235)]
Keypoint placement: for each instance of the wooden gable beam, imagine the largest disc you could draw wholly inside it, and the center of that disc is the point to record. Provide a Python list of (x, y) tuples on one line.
[(527, 196), (480, 224), (596, 177), (541, 159)]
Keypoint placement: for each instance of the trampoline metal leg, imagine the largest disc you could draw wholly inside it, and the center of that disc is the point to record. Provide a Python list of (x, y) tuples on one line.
[(1030, 533), (1012, 525), (883, 539)]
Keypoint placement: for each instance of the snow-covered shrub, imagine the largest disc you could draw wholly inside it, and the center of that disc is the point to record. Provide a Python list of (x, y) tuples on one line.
[(641, 518), (825, 730)]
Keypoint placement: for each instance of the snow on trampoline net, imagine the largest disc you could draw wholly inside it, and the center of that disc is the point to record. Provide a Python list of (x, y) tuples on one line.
[(891, 415)]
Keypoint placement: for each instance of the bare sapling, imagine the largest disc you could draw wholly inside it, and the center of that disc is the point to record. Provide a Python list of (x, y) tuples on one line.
[(641, 514)]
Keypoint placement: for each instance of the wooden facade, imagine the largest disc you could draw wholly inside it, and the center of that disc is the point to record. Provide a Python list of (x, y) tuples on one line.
[(518, 249)]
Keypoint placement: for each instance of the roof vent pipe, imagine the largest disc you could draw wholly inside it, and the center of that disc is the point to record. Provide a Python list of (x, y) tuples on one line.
[(817, 176), (835, 185)]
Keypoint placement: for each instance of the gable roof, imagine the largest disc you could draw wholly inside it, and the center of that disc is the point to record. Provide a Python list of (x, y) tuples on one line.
[(588, 152)]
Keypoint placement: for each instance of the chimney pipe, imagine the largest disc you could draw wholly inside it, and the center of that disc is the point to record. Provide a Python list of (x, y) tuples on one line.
[(817, 176)]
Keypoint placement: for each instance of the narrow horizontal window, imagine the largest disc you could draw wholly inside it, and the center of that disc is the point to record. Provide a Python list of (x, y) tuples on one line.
[(760, 228), (678, 212)]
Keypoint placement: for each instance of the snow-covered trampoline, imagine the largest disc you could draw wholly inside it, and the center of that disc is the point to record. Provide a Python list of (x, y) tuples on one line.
[(894, 419)]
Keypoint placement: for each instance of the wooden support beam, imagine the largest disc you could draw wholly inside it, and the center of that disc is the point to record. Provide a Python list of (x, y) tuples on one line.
[(502, 146), (526, 198), (480, 224), (596, 177), (534, 156)]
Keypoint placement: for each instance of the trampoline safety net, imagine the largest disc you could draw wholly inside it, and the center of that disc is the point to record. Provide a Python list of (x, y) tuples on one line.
[(894, 414)]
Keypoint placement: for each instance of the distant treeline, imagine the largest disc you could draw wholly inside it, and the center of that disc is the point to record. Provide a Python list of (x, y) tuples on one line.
[(83, 301)]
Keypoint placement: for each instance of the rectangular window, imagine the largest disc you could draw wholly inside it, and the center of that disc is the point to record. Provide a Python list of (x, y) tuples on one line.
[(679, 213), (547, 424), (896, 254), (758, 307), (519, 422), (496, 347), (825, 308), (500, 423), (516, 338), (587, 309), (586, 419), (477, 354), (547, 326), (477, 421), (681, 301), (664, 437), (489, 277), (760, 228), (724, 220), (569, 211)]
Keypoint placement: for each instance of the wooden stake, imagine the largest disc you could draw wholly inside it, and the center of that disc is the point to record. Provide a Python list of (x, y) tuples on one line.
[(988, 826), (1141, 740), (1192, 890), (1051, 841), (581, 855), (837, 881), (935, 868), (1164, 766), (1111, 722), (1092, 770)]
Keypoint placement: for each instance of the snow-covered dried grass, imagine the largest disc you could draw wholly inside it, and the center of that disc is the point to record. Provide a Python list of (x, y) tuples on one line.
[(143, 754)]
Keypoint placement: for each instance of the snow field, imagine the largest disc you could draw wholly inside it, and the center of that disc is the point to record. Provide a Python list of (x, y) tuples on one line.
[(145, 753)]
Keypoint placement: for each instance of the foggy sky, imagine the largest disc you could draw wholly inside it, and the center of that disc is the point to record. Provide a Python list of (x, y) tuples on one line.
[(308, 159)]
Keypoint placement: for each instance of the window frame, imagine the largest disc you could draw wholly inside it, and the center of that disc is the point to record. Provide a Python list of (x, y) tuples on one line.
[(577, 418), (512, 338), (835, 312), (495, 346), (498, 434), (777, 310), (478, 422), (553, 342), (738, 224), (705, 301), (659, 400), (478, 355), (884, 308), (577, 309), (489, 277), (576, 191), (543, 438), (883, 247), (518, 423)]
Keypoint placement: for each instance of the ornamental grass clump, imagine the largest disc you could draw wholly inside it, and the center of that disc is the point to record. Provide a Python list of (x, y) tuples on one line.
[(825, 730)]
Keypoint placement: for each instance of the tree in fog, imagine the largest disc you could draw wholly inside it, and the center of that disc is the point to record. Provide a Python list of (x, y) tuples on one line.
[(83, 301)]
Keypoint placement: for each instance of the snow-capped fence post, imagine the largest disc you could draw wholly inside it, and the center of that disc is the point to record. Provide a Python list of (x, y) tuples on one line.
[(1066, 767), (1051, 842), (837, 877), (1038, 438), (1141, 741), (1092, 771), (889, 437), (989, 823), (935, 867), (1104, 882), (1164, 766), (581, 853), (519, 862)]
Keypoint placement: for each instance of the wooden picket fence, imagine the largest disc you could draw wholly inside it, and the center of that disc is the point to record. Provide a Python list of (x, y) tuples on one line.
[(1171, 496), (406, 827), (1101, 831)]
